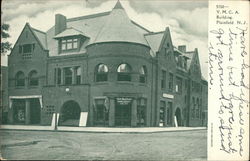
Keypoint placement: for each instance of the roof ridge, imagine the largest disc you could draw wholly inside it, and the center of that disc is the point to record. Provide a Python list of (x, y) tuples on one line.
[(140, 26), (37, 30), (74, 29), (154, 33), (89, 16)]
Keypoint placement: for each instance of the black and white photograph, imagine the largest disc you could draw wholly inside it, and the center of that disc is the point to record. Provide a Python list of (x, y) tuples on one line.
[(104, 80)]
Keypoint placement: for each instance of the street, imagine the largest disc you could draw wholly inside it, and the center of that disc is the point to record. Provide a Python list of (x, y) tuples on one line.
[(103, 146)]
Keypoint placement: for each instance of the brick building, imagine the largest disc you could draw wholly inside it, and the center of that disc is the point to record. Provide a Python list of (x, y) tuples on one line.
[(106, 70)]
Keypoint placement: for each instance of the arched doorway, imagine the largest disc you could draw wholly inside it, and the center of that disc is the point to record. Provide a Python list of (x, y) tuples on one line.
[(70, 114), (178, 116)]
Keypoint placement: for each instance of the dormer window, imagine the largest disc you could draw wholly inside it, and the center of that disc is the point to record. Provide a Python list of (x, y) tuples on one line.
[(69, 44)]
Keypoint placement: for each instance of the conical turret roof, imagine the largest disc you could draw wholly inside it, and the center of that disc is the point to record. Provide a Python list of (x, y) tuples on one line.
[(119, 28)]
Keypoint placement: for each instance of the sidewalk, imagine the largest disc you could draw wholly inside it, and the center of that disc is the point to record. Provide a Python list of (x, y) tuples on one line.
[(100, 129)]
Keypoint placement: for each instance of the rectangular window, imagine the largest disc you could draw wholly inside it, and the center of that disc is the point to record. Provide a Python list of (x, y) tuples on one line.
[(193, 108), (27, 48), (68, 73), (78, 75), (141, 112), (101, 113), (63, 45), (69, 44), (20, 49), (162, 113), (178, 85), (169, 113), (171, 82), (75, 43), (163, 79), (59, 74)]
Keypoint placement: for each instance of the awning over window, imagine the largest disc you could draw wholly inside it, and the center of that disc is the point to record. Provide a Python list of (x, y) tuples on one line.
[(25, 97)]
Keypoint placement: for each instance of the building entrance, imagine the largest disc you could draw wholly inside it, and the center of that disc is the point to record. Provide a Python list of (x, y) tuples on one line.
[(70, 114), (35, 110), (19, 111), (123, 112), (26, 111)]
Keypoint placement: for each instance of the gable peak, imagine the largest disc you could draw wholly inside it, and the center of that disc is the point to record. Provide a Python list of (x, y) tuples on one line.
[(118, 5)]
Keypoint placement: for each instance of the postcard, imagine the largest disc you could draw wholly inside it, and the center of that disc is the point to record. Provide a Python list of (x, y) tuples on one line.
[(124, 80)]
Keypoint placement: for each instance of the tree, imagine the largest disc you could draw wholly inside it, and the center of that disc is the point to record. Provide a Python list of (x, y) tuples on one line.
[(5, 45)]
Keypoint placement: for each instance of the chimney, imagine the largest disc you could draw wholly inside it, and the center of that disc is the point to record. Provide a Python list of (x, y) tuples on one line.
[(60, 23), (182, 48)]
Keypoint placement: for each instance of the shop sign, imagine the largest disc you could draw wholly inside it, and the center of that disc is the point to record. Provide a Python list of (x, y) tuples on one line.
[(123, 100), (165, 95)]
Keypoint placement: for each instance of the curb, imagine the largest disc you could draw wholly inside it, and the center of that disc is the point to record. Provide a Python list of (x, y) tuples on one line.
[(125, 132)]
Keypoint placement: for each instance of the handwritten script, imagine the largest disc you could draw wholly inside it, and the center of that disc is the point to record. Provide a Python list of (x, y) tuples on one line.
[(229, 80)]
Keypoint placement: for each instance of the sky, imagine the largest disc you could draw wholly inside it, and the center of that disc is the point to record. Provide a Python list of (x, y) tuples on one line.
[(188, 20)]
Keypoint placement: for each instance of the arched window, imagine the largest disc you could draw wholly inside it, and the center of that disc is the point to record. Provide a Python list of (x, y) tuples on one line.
[(101, 73), (124, 72), (143, 74), (33, 79), (20, 79)]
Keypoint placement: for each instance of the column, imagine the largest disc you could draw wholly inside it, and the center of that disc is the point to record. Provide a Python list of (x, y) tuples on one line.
[(62, 75), (166, 115), (112, 112), (27, 111), (134, 113)]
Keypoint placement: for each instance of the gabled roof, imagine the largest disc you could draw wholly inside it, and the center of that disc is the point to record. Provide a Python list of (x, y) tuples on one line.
[(41, 36), (70, 32), (154, 41), (180, 52), (119, 28), (190, 55)]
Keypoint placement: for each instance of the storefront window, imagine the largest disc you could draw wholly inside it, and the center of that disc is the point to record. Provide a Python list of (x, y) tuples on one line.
[(162, 113), (141, 112), (169, 113), (101, 112)]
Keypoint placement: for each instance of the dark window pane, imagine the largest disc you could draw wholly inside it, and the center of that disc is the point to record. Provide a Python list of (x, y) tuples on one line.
[(78, 79), (78, 75), (33, 79), (124, 72), (20, 79), (59, 76), (101, 77), (171, 82), (27, 48), (163, 79), (68, 76), (124, 77), (142, 79)]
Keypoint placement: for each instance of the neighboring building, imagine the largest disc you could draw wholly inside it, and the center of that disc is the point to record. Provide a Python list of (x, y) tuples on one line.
[(107, 69), (4, 94)]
